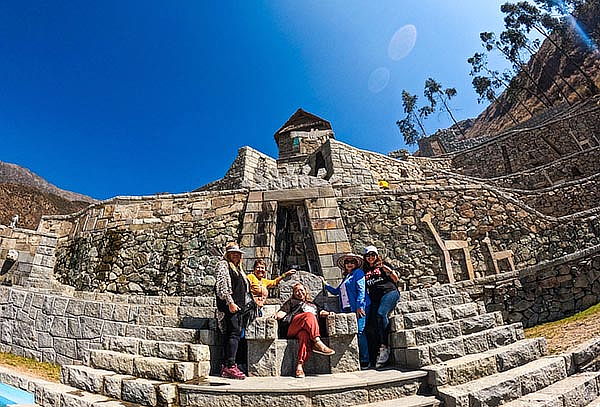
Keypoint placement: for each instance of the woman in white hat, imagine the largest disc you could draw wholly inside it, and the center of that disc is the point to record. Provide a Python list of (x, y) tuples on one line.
[(353, 297), (381, 283), (235, 305)]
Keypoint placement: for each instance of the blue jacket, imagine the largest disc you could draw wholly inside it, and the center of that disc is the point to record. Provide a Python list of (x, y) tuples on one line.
[(355, 287)]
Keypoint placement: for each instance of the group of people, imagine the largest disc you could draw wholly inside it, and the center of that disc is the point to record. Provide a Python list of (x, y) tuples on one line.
[(368, 288)]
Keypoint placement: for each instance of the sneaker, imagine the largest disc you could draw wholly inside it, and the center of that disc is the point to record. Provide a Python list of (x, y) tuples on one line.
[(322, 349), (232, 372), (383, 357), (365, 366)]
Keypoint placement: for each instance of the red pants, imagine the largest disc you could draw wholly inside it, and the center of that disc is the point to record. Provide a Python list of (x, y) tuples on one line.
[(305, 328)]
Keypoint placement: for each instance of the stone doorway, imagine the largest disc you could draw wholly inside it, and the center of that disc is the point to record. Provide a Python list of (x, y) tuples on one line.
[(294, 241)]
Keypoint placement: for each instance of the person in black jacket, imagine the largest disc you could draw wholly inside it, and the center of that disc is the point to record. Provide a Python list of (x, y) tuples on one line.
[(235, 306)]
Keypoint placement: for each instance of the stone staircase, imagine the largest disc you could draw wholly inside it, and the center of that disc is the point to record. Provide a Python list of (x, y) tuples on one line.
[(130, 370), (473, 359)]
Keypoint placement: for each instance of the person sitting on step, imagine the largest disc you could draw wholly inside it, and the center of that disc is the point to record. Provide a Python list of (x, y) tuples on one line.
[(259, 285), (301, 314), (353, 298)]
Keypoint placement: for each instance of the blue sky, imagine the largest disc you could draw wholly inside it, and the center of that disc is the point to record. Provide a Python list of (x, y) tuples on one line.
[(139, 97)]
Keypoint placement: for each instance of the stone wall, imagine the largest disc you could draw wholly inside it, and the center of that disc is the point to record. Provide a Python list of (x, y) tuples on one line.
[(60, 329), (578, 165), (250, 169), (391, 221), (521, 149), (161, 245), (35, 261), (546, 292), (565, 199)]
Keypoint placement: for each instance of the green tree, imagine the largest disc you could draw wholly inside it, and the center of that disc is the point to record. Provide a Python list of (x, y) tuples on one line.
[(413, 116), (435, 93)]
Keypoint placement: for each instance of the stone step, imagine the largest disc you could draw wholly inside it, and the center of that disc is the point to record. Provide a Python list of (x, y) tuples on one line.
[(410, 401), (416, 304), (148, 367), (428, 293), (331, 390), (474, 366), (423, 318), (55, 395), (182, 351), (115, 386), (575, 391), (418, 356), (424, 335), (506, 386)]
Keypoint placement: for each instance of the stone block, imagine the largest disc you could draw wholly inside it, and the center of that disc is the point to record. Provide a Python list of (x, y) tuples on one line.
[(478, 323), (501, 336), (446, 350), (276, 400), (198, 353), (173, 350), (203, 369), (118, 362), (476, 343), (153, 368), (113, 385), (122, 344), (417, 357), (166, 394), (517, 354), (403, 339), (185, 371), (86, 378), (408, 307), (446, 301), (346, 358), (419, 319), (396, 323), (443, 314), (148, 348), (341, 324), (140, 391), (462, 311), (263, 358), (263, 328), (586, 352), (437, 332), (341, 399)]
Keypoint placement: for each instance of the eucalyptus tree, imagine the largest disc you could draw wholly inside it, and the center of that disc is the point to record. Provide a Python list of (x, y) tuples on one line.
[(413, 116), (435, 93), (526, 16), (490, 43), (497, 80)]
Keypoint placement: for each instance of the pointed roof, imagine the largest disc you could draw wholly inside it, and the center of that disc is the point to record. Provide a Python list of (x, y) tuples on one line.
[(303, 120)]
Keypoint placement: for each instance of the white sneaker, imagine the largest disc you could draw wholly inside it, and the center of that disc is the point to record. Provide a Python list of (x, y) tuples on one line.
[(383, 357)]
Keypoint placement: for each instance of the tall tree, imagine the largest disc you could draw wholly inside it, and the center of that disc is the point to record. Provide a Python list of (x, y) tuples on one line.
[(490, 43), (485, 88), (434, 92), (526, 16), (413, 116)]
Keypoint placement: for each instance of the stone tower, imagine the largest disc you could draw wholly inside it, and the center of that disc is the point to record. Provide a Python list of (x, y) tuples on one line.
[(302, 134)]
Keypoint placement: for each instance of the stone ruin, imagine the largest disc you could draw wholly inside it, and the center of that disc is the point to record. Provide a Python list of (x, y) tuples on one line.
[(488, 237)]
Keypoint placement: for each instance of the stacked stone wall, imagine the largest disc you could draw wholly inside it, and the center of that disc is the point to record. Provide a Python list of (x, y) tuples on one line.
[(565, 199), (162, 245), (61, 329), (546, 292), (579, 165), (519, 150), (35, 261), (391, 221)]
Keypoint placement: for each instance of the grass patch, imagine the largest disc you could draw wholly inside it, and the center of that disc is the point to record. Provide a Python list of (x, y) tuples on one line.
[(569, 332), (43, 370)]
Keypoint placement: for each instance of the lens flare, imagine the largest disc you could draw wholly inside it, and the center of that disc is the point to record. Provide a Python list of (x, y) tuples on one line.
[(585, 38), (402, 42), (379, 79)]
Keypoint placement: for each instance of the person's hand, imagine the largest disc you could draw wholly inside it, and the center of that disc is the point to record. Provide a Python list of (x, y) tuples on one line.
[(360, 313), (324, 313), (289, 273), (323, 281), (233, 308)]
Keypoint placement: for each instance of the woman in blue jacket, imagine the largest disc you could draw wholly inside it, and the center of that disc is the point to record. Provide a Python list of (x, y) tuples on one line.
[(353, 297)]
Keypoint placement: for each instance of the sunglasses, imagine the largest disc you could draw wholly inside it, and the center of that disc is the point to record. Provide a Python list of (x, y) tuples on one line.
[(370, 255), (350, 262)]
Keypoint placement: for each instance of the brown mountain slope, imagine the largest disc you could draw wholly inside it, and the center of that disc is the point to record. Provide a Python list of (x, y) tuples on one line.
[(16, 174), (30, 204), (546, 64)]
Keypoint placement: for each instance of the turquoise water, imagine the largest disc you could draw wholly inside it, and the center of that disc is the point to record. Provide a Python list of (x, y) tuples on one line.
[(11, 395)]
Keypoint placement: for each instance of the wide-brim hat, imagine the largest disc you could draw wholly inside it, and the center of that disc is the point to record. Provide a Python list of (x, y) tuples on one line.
[(232, 249), (344, 257)]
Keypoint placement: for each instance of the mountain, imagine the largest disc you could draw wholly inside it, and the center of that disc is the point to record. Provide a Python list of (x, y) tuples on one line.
[(15, 174), (548, 68), (31, 203), (30, 196)]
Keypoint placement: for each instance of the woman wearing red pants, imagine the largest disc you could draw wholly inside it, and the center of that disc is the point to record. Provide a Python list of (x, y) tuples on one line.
[(302, 314)]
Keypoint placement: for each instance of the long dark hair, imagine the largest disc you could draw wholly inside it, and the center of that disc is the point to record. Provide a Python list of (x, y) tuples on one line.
[(378, 263)]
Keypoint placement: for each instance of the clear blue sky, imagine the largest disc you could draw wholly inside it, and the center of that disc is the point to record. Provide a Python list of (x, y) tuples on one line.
[(131, 97)]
